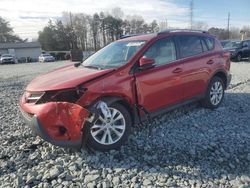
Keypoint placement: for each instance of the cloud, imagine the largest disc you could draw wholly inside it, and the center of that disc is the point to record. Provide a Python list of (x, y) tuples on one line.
[(29, 16)]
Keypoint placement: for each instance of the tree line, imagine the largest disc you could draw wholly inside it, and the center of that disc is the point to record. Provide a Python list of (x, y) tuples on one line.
[(92, 32), (86, 32)]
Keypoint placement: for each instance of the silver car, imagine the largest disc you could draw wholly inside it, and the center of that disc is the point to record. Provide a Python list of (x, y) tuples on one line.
[(46, 58), (7, 58)]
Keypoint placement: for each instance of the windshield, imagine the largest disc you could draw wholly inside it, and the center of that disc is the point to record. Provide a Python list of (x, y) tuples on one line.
[(6, 55), (46, 55), (114, 55), (236, 44), (231, 44)]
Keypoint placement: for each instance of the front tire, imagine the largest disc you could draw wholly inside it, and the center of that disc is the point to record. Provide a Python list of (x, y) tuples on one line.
[(214, 94), (108, 134), (238, 57)]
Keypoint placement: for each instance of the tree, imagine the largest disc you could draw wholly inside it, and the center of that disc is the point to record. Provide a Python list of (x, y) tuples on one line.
[(200, 25), (95, 24), (7, 33), (222, 34), (47, 37), (154, 26), (103, 27), (80, 25)]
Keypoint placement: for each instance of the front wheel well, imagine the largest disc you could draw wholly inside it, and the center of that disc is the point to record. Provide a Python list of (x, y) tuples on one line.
[(113, 99)]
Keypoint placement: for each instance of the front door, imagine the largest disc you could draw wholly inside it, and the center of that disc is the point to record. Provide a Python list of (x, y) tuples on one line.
[(161, 85), (246, 49)]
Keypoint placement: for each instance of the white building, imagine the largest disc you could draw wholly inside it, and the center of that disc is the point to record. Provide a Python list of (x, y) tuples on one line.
[(22, 50)]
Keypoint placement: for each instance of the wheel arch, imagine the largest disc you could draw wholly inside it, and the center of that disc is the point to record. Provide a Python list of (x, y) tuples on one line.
[(117, 99), (221, 74)]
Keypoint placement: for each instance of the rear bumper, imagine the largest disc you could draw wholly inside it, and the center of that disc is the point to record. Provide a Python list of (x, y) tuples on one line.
[(60, 124)]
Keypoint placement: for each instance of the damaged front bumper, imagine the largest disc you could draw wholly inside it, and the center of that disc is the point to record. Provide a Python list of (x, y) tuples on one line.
[(60, 123)]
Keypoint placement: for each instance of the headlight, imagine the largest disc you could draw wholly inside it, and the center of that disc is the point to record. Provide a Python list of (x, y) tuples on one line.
[(68, 95), (33, 97)]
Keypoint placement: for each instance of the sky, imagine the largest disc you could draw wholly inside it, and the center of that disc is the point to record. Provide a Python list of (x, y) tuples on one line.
[(27, 17)]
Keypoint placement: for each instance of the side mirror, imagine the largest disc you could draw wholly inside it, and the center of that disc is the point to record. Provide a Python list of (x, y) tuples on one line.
[(146, 63)]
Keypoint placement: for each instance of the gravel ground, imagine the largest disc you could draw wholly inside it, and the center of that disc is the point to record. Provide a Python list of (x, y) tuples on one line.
[(189, 147)]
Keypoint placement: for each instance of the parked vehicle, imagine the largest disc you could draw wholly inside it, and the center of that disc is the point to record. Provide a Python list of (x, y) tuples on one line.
[(7, 58), (96, 102), (238, 49), (46, 58)]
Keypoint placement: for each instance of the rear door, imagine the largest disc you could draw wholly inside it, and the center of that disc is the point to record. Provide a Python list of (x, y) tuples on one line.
[(195, 52), (161, 85)]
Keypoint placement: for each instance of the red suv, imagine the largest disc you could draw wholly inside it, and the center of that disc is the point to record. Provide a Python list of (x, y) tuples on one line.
[(97, 101)]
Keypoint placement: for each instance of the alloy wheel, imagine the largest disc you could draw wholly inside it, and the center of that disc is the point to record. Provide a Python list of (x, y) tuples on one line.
[(216, 93), (108, 130)]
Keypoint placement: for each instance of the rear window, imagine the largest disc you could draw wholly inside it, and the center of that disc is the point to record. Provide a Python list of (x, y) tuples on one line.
[(210, 43), (190, 45), (204, 45)]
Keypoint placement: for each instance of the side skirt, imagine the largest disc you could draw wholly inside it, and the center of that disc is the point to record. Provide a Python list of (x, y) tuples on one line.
[(172, 107)]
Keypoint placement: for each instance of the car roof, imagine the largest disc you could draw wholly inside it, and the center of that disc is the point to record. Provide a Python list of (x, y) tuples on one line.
[(150, 36)]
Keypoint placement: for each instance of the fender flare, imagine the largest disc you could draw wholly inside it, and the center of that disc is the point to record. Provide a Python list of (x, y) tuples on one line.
[(216, 72)]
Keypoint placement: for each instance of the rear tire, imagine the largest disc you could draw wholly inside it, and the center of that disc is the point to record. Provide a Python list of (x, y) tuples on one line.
[(117, 128), (214, 94)]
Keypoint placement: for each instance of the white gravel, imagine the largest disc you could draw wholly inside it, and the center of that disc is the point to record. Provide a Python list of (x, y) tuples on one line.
[(189, 147)]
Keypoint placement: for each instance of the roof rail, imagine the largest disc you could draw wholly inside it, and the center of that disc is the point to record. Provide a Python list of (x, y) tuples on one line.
[(133, 35), (127, 36), (181, 30)]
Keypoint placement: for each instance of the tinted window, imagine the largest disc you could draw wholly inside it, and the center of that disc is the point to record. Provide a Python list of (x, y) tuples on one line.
[(210, 43), (189, 46), (163, 51), (204, 46), (245, 43)]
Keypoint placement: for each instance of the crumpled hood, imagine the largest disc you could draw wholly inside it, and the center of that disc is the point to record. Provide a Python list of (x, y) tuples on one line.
[(65, 77)]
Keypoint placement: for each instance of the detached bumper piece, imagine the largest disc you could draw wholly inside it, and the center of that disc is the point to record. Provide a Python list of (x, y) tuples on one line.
[(59, 123)]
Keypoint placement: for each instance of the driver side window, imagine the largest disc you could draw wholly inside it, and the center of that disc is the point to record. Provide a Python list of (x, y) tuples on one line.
[(162, 51)]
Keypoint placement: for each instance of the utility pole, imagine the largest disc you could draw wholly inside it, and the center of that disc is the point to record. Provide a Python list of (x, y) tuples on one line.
[(191, 14), (228, 24)]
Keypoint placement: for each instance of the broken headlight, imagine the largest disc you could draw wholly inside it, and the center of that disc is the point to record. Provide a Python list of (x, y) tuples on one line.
[(67, 95)]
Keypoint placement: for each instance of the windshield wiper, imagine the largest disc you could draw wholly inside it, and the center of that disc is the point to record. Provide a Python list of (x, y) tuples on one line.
[(92, 67)]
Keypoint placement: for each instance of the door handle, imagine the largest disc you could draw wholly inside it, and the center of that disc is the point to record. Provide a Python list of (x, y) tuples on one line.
[(210, 62), (177, 70)]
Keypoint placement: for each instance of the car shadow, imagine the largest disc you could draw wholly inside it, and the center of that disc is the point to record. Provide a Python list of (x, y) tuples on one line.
[(191, 143)]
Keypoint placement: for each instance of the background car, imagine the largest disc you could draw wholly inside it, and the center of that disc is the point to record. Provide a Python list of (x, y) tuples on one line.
[(7, 58), (238, 49), (46, 58)]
